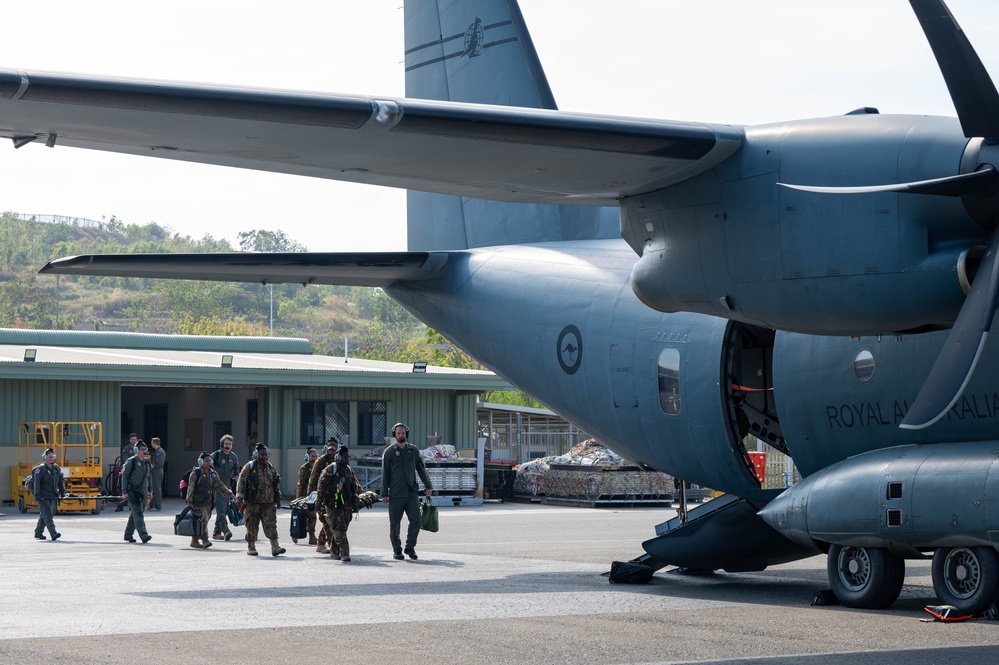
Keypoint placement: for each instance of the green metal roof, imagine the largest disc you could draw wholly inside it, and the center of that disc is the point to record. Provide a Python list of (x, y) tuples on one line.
[(124, 340), (156, 359)]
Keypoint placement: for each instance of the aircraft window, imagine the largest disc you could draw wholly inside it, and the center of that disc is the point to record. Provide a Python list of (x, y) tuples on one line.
[(669, 381), (863, 365)]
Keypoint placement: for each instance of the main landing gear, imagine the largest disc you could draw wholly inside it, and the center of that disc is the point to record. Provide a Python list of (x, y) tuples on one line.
[(865, 577), (966, 577), (871, 577)]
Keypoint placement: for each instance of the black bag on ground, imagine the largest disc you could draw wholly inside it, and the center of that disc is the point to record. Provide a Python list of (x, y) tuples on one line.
[(626, 572), (299, 522), (187, 523), (428, 516)]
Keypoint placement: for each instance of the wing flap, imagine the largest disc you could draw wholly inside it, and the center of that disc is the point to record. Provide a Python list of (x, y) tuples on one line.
[(348, 269), (481, 151)]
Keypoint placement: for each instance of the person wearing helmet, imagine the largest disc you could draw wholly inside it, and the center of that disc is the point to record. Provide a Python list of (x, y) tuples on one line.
[(329, 452), (301, 491), (226, 465), (48, 487), (202, 483), (401, 462), (338, 492), (136, 489), (258, 493)]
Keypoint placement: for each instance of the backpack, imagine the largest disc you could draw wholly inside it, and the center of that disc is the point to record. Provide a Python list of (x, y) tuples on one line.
[(183, 481)]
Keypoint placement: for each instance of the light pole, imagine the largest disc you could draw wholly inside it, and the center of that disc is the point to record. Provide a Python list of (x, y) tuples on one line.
[(270, 287)]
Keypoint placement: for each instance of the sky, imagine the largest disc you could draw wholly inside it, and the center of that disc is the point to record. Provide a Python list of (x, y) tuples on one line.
[(721, 61)]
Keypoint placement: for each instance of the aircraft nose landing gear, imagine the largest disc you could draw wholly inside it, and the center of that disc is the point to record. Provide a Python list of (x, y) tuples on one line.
[(865, 577), (966, 577)]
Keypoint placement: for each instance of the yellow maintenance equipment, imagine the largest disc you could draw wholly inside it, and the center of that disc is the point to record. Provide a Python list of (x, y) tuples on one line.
[(78, 451)]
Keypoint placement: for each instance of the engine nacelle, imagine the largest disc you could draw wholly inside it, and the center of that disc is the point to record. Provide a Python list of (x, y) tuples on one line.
[(869, 500), (733, 242)]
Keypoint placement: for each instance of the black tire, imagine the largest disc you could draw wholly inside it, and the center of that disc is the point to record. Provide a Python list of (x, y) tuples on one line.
[(869, 578), (966, 577), (21, 508)]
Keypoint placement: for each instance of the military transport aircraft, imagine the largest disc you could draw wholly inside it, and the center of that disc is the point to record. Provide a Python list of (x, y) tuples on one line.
[(796, 281)]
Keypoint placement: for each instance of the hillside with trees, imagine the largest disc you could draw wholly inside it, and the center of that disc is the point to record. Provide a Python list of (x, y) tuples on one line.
[(373, 324)]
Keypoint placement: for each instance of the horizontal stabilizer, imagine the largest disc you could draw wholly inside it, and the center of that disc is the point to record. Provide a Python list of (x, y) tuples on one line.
[(348, 269), (722, 534)]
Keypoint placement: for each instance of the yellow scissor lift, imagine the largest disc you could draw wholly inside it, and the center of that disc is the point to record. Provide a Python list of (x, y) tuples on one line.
[(78, 453)]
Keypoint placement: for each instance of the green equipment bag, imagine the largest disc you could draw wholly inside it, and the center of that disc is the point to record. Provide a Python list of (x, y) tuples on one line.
[(232, 513), (428, 516)]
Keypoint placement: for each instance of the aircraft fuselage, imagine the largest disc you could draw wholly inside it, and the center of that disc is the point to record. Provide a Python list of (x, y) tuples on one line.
[(679, 391)]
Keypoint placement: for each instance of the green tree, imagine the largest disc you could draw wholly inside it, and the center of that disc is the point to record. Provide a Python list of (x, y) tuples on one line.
[(213, 325), (260, 240)]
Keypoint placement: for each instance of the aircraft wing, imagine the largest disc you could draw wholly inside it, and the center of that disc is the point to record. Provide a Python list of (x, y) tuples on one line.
[(348, 269), (490, 152)]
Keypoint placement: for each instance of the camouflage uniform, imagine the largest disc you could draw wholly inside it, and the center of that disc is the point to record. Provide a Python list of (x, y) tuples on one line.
[(302, 490), (338, 490), (325, 535), (258, 487), (137, 483), (201, 488), (226, 465), (47, 486)]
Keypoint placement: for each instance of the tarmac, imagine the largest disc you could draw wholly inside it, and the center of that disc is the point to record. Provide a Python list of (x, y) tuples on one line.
[(499, 583)]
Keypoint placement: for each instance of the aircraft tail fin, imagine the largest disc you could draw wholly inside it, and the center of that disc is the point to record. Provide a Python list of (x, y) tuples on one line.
[(480, 51)]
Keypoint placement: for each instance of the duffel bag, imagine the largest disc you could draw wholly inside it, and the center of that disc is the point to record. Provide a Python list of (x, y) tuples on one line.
[(187, 523)]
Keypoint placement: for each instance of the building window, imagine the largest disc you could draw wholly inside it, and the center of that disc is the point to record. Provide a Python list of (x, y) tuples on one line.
[(321, 420), (371, 423), (669, 381)]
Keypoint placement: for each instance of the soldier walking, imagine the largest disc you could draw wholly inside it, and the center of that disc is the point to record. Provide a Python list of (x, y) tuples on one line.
[(259, 491), (202, 484), (302, 490), (137, 488), (48, 487), (329, 452), (157, 458), (338, 491), (226, 466)]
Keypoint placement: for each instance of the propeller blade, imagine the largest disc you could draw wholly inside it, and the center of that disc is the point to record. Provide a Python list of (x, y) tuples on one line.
[(982, 182), (971, 89), (956, 362)]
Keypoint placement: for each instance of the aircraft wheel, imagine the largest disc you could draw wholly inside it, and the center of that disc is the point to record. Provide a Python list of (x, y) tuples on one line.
[(966, 577), (865, 577), (20, 505)]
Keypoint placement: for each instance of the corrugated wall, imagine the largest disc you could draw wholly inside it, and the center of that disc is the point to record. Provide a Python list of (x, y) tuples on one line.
[(26, 400), (425, 411)]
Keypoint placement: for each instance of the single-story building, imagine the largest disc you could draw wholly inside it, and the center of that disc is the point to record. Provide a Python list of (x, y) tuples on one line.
[(190, 390)]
